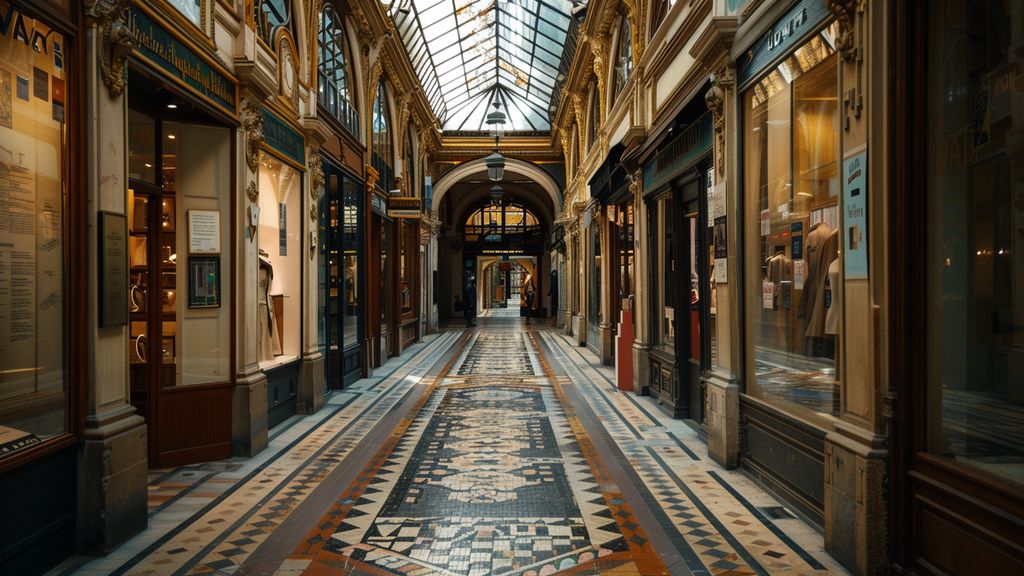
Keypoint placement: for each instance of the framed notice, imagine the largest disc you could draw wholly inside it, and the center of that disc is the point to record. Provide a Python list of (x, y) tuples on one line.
[(204, 232), (855, 216), (113, 276), (204, 282)]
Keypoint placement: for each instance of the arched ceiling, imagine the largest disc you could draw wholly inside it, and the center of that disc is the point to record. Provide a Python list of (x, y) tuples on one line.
[(469, 54)]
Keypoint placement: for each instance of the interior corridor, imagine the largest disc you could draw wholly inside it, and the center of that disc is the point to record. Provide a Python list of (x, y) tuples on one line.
[(500, 450)]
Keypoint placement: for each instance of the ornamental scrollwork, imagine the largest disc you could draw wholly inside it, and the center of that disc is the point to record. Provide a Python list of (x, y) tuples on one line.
[(252, 123), (110, 18), (844, 11), (315, 169), (715, 100)]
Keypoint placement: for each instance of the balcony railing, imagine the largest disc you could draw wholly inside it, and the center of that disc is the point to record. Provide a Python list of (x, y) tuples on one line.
[(334, 101)]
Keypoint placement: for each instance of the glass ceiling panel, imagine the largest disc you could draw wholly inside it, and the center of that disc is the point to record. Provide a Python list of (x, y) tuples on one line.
[(484, 51)]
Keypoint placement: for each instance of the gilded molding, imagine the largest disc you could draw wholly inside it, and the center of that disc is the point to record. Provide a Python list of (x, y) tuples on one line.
[(315, 170), (110, 18), (844, 11), (715, 100), (252, 191), (252, 122)]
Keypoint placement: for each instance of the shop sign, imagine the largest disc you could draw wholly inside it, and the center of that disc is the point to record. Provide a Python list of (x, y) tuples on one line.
[(803, 18), (281, 137), (379, 204), (855, 216), (404, 207), (164, 51), (689, 146)]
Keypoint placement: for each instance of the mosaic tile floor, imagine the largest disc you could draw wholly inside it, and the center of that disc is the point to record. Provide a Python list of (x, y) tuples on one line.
[(490, 451)]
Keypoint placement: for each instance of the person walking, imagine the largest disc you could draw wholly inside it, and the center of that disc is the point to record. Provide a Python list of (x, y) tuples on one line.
[(529, 302), (469, 299)]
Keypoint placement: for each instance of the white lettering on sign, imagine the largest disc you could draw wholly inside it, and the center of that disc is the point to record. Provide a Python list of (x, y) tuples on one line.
[(787, 29)]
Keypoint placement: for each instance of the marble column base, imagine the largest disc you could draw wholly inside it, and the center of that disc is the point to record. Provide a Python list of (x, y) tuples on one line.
[(311, 384), (112, 477), (641, 369), (249, 415), (855, 500), (722, 407)]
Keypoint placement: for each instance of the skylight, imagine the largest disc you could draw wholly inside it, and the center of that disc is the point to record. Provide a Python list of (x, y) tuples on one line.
[(471, 53)]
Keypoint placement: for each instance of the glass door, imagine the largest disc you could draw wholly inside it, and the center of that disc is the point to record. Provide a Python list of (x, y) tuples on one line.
[(152, 289)]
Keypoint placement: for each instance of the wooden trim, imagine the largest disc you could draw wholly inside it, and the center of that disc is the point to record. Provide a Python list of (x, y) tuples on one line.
[(41, 450)]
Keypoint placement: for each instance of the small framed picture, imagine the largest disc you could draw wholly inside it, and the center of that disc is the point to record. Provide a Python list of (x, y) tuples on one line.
[(204, 282)]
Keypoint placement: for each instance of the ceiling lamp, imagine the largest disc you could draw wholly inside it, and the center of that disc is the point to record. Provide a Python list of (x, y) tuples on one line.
[(497, 193), (496, 162), (495, 166)]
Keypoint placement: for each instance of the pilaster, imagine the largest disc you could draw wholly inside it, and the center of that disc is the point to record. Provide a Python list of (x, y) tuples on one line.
[(112, 463)]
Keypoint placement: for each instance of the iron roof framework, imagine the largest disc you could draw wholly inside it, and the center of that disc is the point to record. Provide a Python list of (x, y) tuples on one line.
[(469, 54)]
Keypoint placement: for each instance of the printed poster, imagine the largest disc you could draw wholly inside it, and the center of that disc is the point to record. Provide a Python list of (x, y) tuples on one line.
[(855, 216)]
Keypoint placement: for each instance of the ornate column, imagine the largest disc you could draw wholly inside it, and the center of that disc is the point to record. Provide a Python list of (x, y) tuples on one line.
[(249, 409), (641, 287), (112, 463), (311, 381)]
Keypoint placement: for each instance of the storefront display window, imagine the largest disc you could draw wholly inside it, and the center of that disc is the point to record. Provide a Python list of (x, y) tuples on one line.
[(406, 255), (792, 190), (975, 244), (594, 273), (279, 289), (352, 248), (667, 271), (33, 180)]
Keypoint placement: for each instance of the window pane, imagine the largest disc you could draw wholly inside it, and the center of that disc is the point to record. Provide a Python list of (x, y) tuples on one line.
[(791, 174), (975, 247), (33, 396)]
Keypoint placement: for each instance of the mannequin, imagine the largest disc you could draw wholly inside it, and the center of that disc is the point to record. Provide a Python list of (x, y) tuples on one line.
[(822, 247), (269, 342), (832, 316), (779, 270)]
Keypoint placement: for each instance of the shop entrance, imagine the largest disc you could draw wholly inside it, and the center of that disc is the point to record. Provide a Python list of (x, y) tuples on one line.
[(695, 301), (179, 338), (341, 250)]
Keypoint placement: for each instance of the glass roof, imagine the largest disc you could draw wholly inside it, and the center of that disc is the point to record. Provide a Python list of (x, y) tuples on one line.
[(471, 53)]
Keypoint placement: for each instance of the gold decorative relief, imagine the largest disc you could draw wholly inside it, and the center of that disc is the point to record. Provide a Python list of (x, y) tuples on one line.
[(315, 170), (252, 191), (252, 123), (110, 18)]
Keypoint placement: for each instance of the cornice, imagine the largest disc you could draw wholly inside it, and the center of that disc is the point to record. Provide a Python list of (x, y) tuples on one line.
[(714, 43), (699, 11)]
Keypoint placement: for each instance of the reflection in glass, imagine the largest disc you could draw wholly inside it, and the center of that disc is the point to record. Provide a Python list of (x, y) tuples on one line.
[(791, 124), (33, 137), (975, 394)]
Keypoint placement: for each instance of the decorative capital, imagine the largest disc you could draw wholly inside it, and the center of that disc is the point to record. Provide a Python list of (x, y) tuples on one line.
[(110, 18), (315, 170), (715, 100), (844, 11), (252, 122)]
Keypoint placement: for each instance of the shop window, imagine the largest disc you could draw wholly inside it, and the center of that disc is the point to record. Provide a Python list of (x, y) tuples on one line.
[(385, 289), (33, 178), (351, 242), (624, 56), (279, 289), (791, 173), (383, 146), (576, 288), (594, 274), (666, 275), (334, 93), (407, 253), (975, 242)]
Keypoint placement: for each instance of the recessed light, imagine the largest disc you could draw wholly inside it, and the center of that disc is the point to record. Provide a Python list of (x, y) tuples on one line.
[(148, 165), (172, 106), (171, 136)]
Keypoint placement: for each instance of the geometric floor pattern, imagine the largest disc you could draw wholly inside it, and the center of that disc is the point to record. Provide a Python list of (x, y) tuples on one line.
[(492, 451), (487, 479)]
